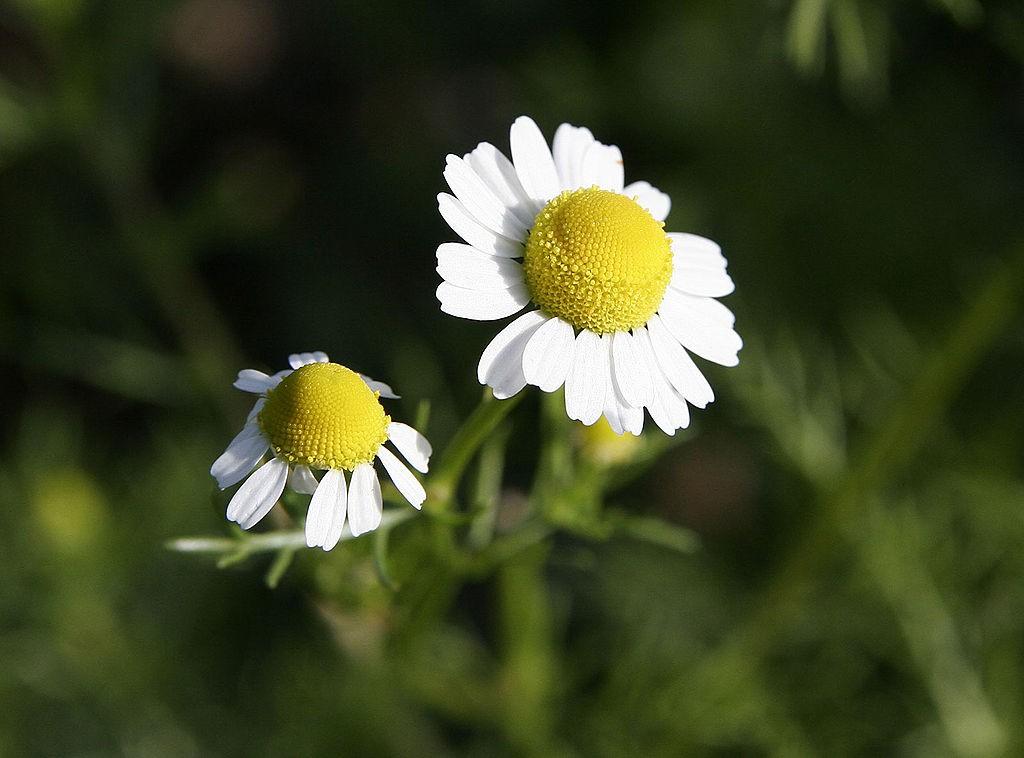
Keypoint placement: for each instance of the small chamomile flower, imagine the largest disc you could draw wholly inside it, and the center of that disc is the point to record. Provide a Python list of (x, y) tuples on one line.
[(619, 302), (319, 416)]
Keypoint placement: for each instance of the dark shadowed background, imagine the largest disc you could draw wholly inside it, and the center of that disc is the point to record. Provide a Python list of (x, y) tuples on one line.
[(190, 188)]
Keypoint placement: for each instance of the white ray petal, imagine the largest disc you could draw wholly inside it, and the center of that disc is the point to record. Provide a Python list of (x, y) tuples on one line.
[(472, 231), (298, 360), (706, 310), (240, 457), (612, 413), (548, 355), (413, 446), (714, 342), (703, 312), (621, 416), (326, 515), (302, 480), (569, 147), (465, 266), (402, 478), (251, 380), (479, 200), (499, 174), (654, 200), (256, 408), (365, 505), (482, 306), (693, 250), (501, 364), (632, 418), (628, 370), (667, 408), (532, 159), (586, 383), (258, 493), (677, 365), (602, 165), (382, 387), (700, 281)]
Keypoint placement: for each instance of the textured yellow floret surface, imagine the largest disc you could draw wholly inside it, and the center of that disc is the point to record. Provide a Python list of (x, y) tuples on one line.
[(597, 260), (323, 415)]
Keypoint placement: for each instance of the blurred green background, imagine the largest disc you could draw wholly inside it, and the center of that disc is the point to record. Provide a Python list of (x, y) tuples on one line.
[(191, 187)]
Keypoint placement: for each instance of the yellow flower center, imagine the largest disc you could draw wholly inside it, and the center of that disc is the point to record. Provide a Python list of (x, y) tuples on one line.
[(323, 415), (597, 260)]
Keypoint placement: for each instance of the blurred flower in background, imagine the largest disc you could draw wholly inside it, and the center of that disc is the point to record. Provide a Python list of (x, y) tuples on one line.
[(230, 43)]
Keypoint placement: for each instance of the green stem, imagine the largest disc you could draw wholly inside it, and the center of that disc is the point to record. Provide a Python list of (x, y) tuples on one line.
[(267, 542), (490, 474), (464, 445), (529, 673)]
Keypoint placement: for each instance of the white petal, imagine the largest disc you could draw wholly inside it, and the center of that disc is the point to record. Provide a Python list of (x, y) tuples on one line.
[(602, 165), (677, 365), (533, 162), (298, 360), (258, 494), (383, 388), (403, 479), (612, 414), (632, 419), (667, 407), (697, 280), (326, 514), (621, 416), (569, 147), (628, 370), (465, 266), (703, 311), (365, 505), (501, 364), (713, 342), (256, 408), (413, 446), (466, 226), (548, 355), (482, 306), (240, 457), (654, 200), (706, 310), (302, 480), (692, 250), (251, 380), (338, 517), (586, 383), (478, 199), (499, 174)]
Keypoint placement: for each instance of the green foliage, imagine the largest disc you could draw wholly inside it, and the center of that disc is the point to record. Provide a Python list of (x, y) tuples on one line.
[(829, 562)]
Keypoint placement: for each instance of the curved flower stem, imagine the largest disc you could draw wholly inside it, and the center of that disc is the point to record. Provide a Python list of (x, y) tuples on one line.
[(464, 445), (247, 544)]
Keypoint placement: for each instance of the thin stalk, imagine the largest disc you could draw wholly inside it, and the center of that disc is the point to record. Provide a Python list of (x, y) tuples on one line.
[(464, 445), (266, 542)]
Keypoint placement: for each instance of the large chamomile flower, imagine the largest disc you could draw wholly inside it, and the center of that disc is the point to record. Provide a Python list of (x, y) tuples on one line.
[(619, 302), (319, 416)]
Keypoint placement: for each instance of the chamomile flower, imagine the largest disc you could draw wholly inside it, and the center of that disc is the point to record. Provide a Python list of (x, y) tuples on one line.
[(319, 416), (620, 303)]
